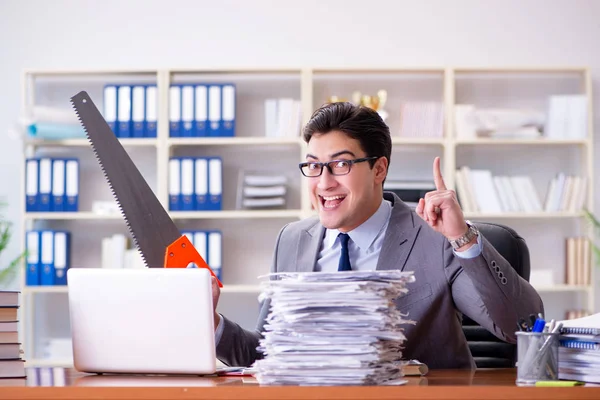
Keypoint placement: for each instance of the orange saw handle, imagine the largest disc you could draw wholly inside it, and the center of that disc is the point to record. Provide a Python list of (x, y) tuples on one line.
[(181, 252)]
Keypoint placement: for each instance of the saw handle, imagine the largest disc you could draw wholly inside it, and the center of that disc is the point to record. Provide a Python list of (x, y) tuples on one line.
[(181, 252)]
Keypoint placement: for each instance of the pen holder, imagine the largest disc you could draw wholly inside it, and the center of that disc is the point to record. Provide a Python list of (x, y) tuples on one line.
[(537, 355)]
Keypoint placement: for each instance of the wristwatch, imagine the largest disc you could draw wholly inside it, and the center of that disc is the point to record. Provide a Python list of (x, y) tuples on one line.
[(466, 238)]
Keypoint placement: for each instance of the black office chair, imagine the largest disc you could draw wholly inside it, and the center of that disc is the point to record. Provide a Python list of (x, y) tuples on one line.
[(487, 350)]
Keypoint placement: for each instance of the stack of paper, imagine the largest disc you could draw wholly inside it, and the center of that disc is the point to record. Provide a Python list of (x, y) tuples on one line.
[(339, 328), (579, 349)]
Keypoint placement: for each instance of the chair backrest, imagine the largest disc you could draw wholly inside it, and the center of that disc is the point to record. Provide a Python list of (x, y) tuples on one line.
[(488, 351)]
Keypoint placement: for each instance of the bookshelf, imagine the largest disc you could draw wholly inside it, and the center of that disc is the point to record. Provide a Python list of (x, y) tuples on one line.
[(251, 233)]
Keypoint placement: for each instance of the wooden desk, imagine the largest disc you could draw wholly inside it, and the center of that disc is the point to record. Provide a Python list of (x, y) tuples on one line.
[(449, 384)]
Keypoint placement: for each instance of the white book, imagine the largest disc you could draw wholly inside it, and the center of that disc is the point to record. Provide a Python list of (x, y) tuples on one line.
[(532, 193), (107, 252), (550, 194), (576, 124), (522, 194), (574, 194), (466, 173), (512, 197), (461, 190), (566, 193), (463, 114), (119, 245), (581, 194), (271, 117), (556, 200), (502, 195), (484, 191)]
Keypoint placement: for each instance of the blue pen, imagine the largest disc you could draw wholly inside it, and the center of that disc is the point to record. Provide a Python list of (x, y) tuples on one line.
[(539, 325)]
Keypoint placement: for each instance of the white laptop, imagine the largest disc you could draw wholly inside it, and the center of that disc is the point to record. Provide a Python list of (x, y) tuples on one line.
[(142, 321)]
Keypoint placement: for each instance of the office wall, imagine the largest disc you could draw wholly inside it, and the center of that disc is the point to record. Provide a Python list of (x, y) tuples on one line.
[(65, 34)]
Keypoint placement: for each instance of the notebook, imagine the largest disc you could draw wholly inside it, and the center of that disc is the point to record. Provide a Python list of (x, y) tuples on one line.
[(589, 325), (151, 320)]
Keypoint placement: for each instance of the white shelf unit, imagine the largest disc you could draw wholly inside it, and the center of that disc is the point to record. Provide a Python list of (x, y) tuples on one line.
[(247, 256)]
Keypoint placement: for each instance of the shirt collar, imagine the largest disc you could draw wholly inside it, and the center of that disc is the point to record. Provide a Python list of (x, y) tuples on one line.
[(364, 235)]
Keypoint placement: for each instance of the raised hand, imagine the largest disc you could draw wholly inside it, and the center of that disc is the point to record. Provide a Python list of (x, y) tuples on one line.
[(440, 208)]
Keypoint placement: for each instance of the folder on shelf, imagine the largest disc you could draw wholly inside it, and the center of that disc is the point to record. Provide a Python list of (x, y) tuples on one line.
[(45, 185), (151, 112), (228, 111), (47, 258), (32, 275), (174, 184), (31, 184), (187, 184), (174, 111), (138, 108), (187, 111), (124, 114), (72, 185), (61, 257), (215, 252), (201, 244), (110, 107), (214, 110), (58, 185), (215, 183), (201, 183), (200, 111)]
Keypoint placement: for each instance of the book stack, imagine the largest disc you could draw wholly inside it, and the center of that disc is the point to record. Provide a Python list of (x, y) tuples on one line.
[(262, 191), (579, 349), (578, 261), (11, 362), (339, 328)]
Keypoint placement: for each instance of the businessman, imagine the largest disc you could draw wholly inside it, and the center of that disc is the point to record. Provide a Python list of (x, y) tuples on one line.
[(457, 270)]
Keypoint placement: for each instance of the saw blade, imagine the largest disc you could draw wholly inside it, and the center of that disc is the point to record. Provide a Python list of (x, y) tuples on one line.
[(148, 222)]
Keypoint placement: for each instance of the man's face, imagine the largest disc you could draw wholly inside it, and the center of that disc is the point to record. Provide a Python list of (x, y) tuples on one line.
[(344, 202)]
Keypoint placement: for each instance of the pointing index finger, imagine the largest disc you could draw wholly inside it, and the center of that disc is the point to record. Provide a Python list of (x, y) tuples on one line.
[(437, 175)]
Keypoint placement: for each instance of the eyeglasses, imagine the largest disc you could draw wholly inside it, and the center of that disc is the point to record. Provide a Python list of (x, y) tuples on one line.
[(335, 167)]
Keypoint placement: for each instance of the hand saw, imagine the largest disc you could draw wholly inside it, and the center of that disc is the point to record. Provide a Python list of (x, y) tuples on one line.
[(153, 231)]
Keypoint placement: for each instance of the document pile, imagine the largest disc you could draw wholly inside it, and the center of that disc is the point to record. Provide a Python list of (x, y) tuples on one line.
[(338, 328), (579, 349)]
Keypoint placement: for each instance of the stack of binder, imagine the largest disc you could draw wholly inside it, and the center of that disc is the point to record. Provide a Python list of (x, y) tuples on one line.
[(195, 184), (261, 191), (579, 349), (200, 110), (51, 184), (48, 257), (131, 110), (11, 363), (333, 328)]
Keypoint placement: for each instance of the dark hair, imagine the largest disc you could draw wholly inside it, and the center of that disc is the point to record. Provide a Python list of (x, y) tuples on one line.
[(358, 122)]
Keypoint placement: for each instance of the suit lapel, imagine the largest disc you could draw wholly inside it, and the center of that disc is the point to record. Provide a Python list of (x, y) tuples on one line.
[(308, 248), (399, 238)]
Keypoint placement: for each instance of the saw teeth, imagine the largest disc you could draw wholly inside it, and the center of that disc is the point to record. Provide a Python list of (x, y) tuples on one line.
[(112, 191)]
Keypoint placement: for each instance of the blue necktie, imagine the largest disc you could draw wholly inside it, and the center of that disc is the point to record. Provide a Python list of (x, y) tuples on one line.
[(344, 264)]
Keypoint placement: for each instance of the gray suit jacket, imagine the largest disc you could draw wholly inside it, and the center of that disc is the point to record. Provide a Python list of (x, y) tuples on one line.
[(446, 287)]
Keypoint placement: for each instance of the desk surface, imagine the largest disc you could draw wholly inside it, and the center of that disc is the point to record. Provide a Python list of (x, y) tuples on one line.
[(448, 384)]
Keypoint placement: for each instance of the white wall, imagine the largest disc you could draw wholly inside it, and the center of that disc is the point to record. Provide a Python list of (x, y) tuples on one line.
[(73, 34)]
